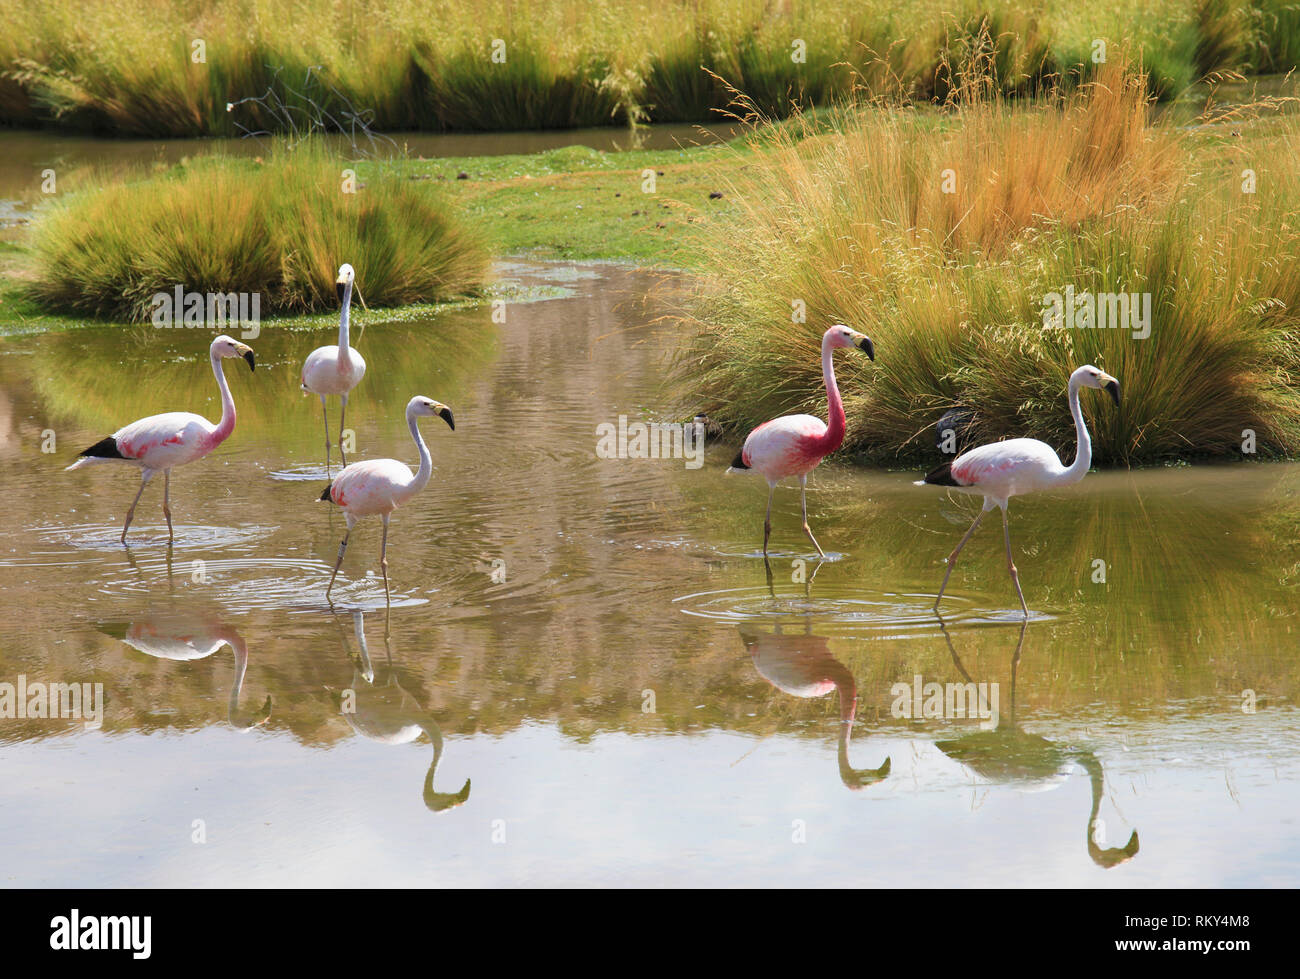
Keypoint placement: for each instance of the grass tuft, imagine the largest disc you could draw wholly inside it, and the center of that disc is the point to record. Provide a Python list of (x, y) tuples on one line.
[(280, 228), (941, 239), (131, 67)]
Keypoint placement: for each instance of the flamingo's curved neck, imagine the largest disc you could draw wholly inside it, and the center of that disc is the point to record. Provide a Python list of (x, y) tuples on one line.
[(243, 722), (1083, 455), (848, 695), (439, 801), (227, 423), (430, 728), (344, 322), (426, 461), (835, 420)]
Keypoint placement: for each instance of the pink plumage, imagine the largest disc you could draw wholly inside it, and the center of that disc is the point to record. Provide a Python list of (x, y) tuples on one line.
[(160, 443), (802, 666), (793, 445)]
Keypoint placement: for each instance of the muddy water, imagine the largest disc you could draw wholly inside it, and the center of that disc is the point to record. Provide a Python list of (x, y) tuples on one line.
[(591, 651)]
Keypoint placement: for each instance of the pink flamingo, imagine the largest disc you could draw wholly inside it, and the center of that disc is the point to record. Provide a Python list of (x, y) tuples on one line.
[(793, 445), (380, 486), (162, 442), (1001, 470), (803, 666), (335, 369)]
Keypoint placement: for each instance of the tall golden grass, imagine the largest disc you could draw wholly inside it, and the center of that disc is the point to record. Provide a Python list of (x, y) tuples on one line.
[(129, 68), (855, 226), (279, 228)]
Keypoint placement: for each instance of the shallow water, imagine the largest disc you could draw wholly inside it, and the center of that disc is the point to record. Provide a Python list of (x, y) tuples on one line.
[(25, 155), (621, 695)]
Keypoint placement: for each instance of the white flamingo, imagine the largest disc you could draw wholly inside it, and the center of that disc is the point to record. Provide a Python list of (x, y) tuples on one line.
[(793, 445), (380, 486), (1008, 755), (1001, 470), (163, 442), (335, 369)]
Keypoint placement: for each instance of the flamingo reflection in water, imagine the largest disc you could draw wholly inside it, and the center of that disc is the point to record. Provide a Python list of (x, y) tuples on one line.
[(379, 709), (180, 635), (1010, 756), (801, 665)]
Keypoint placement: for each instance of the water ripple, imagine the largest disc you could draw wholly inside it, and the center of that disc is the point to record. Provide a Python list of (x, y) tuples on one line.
[(864, 612), (189, 537)]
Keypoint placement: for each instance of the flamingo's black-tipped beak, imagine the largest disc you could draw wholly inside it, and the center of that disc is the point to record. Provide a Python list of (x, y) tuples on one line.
[(338, 289), (866, 347), (1113, 390), (445, 415), (252, 361), (442, 801)]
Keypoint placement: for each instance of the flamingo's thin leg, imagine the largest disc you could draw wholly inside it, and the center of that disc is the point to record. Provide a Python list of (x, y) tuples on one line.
[(343, 546), (343, 412), (952, 558), (767, 520), (325, 415), (803, 499), (130, 514), (383, 559), (1011, 564), (167, 509)]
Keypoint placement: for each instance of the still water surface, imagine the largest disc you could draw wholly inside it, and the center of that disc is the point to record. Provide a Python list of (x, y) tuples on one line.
[(26, 155), (586, 677)]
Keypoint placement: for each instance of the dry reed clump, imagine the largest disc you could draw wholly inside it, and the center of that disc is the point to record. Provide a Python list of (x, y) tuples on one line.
[(168, 68), (280, 229), (942, 237)]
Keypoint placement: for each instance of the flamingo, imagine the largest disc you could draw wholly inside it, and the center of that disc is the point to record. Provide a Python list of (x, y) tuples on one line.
[(1008, 755), (385, 712), (335, 369), (162, 442), (184, 635), (803, 666), (1001, 470), (380, 486), (793, 445)]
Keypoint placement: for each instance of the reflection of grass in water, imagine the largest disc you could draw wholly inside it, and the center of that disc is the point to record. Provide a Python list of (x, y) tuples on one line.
[(1191, 552), (101, 380)]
